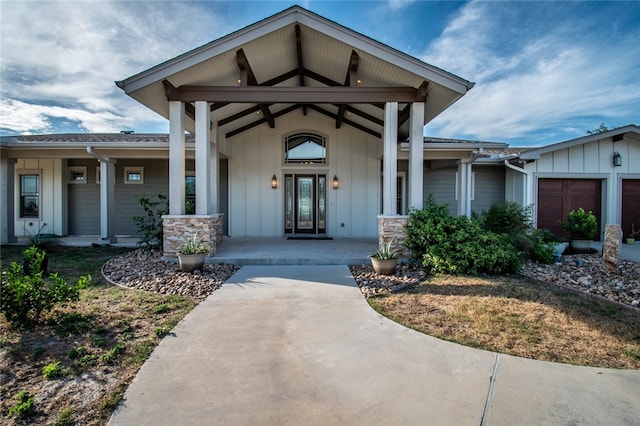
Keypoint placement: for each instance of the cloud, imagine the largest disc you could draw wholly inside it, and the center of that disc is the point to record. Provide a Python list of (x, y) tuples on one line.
[(537, 77), (65, 56), (399, 4)]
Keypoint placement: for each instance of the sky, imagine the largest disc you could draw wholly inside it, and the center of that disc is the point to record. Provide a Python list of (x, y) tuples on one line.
[(545, 71)]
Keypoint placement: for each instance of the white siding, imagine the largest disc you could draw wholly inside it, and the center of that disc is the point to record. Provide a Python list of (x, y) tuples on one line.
[(255, 209)]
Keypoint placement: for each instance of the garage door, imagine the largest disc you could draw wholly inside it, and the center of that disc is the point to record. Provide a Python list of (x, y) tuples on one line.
[(557, 197), (630, 205)]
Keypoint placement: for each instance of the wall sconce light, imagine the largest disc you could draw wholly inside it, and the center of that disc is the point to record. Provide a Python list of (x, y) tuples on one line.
[(336, 184), (617, 159), (274, 182)]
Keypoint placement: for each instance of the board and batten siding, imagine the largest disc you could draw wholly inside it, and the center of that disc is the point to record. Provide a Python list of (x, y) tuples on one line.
[(255, 209), (593, 160)]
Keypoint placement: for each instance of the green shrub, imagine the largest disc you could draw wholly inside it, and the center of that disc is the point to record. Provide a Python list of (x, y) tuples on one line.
[(509, 218), (24, 404), (457, 245), (580, 225), (51, 370), (23, 297), (150, 224)]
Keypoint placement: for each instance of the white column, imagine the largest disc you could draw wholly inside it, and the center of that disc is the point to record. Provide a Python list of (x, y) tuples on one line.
[(203, 157), (7, 199), (107, 186), (416, 156), (390, 159), (464, 188), (214, 188), (176, 158)]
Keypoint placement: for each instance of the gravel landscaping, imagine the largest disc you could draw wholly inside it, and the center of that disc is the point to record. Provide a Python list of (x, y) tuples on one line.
[(146, 270)]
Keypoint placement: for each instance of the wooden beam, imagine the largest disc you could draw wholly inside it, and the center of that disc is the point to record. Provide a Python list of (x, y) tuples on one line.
[(294, 95), (364, 115), (350, 79), (261, 121), (320, 78), (346, 121), (299, 55), (248, 78), (423, 91), (404, 114)]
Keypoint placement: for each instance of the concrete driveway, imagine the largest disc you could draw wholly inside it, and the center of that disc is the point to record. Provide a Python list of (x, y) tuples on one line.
[(298, 345)]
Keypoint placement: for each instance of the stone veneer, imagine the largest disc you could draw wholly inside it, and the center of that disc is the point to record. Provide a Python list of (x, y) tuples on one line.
[(176, 228), (394, 228)]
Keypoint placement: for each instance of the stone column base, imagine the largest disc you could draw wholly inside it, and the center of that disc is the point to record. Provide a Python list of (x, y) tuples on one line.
[(394, 228), (177, 228)]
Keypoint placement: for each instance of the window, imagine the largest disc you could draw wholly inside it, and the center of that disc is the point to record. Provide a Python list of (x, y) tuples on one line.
[(134, 175), (190, 195), (305, 148), (30, 196), (77, 174)]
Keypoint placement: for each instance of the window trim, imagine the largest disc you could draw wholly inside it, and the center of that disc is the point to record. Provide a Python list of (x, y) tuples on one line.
[(72, 170), (38, 174), (310, 135), (134, 170)]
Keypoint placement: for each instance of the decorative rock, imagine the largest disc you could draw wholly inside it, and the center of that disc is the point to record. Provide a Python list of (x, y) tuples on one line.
[(611, 247)]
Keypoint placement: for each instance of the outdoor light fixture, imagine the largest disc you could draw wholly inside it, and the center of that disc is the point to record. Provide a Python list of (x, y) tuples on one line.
[(617, 159), (274, 182), (336, 184)]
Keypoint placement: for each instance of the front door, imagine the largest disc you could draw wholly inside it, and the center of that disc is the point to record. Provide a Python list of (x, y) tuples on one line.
[(305, 204)]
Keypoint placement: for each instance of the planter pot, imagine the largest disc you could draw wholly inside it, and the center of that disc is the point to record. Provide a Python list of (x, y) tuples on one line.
[(630, 241), (191, 262), (383, 266), (581, 245)]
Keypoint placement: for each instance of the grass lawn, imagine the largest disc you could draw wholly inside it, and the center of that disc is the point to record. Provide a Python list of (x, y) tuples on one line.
[(518, 316), (78, 361)]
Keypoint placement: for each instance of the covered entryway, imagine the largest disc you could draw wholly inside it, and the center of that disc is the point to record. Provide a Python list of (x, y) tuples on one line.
[(630, 205), (557, 197)]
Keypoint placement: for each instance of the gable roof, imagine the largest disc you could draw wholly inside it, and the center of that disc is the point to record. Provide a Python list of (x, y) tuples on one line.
[(295, 47), (630, 131)]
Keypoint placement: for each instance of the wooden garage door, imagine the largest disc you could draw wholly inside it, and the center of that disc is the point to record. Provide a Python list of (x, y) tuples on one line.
[(630, 205), (557, 197)]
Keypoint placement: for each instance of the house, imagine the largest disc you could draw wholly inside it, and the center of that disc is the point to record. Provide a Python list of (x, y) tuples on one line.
[(293, 126)]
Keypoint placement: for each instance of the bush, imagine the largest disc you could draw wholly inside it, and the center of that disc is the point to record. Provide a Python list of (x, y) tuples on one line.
[(507, 219), (24, 296), (580, 225), (150, 224), (457, 245)]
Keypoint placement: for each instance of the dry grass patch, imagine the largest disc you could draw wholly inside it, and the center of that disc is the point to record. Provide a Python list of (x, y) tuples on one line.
[(519, 317)]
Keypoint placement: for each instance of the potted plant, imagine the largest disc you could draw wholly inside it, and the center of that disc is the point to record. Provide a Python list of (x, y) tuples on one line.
[(582, 226), (191, 254), (385, 259), (631, 239)]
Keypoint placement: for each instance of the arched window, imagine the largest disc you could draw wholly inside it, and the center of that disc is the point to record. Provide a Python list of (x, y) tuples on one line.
[(305, 148)]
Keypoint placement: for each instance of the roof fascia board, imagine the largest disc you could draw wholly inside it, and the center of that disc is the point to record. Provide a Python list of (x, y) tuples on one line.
[(535, 154), (82, 145), (456, 146)]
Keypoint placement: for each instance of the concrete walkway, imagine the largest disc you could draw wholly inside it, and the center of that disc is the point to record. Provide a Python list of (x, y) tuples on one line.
[(298, 345)]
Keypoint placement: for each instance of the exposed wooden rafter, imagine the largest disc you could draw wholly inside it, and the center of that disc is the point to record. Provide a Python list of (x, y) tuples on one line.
[(350, 80), (261, 121), (300, 63), (248, 78), (346, 121)]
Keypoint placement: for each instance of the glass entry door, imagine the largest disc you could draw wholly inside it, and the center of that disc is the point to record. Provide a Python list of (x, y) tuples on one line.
[(305, 204)]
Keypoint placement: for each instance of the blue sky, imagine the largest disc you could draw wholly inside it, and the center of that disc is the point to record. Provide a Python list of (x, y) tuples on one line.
[(544, 71)]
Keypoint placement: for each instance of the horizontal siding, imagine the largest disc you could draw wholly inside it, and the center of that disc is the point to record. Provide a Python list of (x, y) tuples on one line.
[(441, 183), (84, 201), (489, 187)]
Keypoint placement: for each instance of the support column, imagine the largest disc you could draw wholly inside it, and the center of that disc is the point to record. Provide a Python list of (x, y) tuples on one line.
[(464, 188), (390, 159), (203, 158), (107, 186), (214, 189), (416, 156), (7, 199), (176, 158)]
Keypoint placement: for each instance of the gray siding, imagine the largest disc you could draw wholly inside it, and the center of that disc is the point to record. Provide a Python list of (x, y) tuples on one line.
[(489, 187), (84, 202), (440, 181)]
